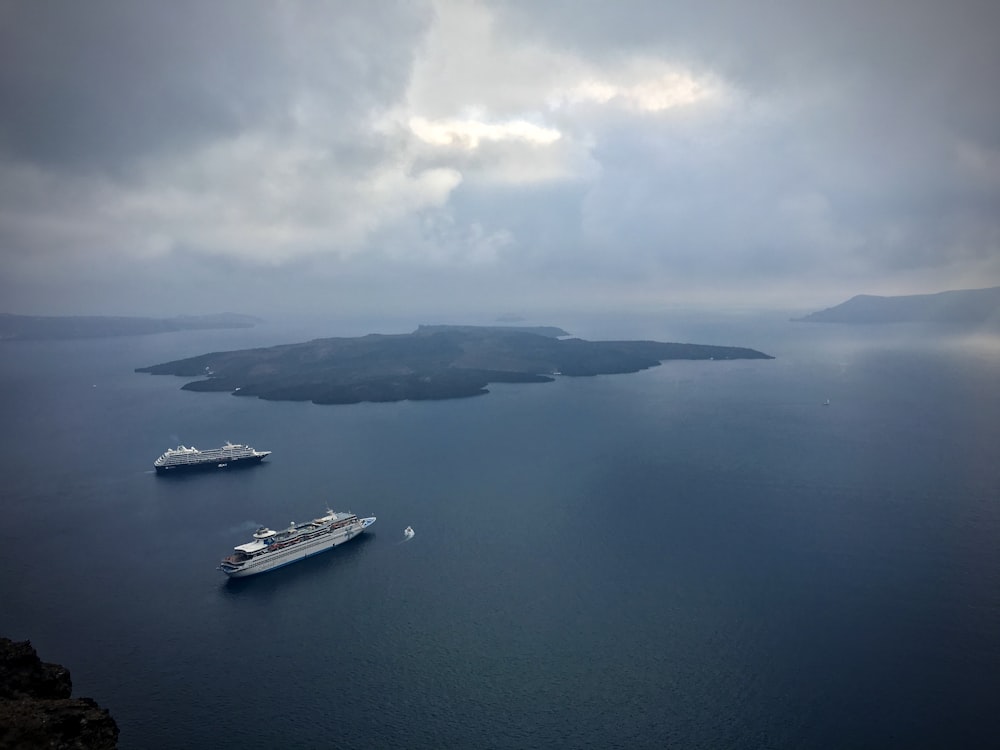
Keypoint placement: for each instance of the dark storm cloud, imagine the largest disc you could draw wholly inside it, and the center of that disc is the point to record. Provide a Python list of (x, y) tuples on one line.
[(883, 110), (396, 153), (97, 84), (948, 47)]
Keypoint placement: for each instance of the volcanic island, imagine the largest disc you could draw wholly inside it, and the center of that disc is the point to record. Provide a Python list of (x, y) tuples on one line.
[(433, 362)]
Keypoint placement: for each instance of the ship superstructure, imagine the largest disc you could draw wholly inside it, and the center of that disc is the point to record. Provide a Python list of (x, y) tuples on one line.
[(272, 549), (230, 455)]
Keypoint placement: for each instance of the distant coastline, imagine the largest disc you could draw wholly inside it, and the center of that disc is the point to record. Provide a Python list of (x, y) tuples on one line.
[(433, 362), (959, 307), (35, 327)]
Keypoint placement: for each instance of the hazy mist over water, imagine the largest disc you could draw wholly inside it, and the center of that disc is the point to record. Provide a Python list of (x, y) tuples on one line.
[(699, 555)]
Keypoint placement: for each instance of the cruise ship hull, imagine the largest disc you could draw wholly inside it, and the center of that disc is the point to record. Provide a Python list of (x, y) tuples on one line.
[(279, 558), (210, 465)]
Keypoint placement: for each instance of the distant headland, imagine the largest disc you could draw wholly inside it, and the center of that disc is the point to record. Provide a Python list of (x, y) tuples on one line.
[(960, 307), (433, 362), (19, 327)]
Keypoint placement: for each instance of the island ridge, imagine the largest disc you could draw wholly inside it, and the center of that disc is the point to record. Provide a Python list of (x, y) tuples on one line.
[(433, 362)]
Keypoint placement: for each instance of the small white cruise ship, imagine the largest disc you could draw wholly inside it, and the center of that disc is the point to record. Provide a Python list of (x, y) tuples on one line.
[(273, 549), (228, 456)]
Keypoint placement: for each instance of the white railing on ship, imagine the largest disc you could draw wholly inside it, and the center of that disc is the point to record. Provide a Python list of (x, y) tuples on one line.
[(204, 456)]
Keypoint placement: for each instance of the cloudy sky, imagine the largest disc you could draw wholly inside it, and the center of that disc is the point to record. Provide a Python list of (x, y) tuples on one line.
[(495, 156)]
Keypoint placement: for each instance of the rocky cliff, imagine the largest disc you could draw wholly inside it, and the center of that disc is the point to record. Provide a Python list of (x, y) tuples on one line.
[(37, 710)]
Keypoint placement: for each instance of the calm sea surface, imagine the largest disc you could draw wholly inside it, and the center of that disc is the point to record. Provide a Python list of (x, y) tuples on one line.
[(701, 555)]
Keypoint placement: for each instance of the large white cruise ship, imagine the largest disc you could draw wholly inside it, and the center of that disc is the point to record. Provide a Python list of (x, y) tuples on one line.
[(229, 455), (272, 549)]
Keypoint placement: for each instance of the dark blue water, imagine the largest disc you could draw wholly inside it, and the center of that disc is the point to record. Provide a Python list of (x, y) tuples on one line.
[(697, 556)]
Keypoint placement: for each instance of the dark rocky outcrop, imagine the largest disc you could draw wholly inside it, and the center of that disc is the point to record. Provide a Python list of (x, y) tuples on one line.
[(37, 710)]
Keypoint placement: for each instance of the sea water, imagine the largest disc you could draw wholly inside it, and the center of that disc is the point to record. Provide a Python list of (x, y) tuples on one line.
[(700, 555)]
